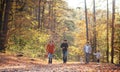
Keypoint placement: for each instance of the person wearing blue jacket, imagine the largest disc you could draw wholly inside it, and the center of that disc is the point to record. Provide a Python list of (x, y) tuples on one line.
[(87, 51)]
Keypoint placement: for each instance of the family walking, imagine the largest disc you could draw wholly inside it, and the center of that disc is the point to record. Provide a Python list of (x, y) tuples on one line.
[(64, 46)]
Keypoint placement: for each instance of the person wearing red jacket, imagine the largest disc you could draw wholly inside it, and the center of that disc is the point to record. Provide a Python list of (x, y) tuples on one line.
[(50, 50)]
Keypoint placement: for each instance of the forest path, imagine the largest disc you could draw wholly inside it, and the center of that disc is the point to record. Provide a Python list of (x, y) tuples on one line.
[(22, 64)]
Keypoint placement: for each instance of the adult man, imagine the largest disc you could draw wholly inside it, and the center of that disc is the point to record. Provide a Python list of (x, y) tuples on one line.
[(87, 50), (64, 47)]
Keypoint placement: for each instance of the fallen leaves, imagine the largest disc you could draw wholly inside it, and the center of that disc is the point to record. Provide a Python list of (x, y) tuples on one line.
[(16, 64)]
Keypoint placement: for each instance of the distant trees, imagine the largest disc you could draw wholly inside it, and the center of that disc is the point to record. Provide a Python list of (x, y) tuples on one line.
[(27, 25), (100, 17)]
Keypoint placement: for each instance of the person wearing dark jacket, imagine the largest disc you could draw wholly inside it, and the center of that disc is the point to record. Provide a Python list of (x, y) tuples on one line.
[(64, 47)]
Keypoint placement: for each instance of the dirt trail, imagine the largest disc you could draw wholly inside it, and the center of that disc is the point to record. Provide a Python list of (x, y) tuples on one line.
[(22, 64)]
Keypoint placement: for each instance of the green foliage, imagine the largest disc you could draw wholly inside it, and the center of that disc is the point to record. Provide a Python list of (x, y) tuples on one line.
[(31, 44), (70, 25)]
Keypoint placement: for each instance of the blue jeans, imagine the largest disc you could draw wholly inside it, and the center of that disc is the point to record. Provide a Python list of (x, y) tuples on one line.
[(64, 56), (87, 56), (50, 58)]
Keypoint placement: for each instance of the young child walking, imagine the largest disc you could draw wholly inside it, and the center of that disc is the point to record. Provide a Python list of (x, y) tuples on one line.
[(98, 55), (50, 50)]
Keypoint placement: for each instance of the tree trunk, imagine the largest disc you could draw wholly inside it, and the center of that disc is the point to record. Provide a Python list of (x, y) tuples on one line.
[(39, 16), (94, 29), (86, 21), (107, 33), (112, 34), (43, 14), (52, 16), (2, 5), (3, 37), (119, 56)]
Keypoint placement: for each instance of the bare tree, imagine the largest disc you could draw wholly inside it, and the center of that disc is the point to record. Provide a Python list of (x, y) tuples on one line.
[(113, 30), (2, 6), (39, 16), (3, 33), (94, 28), (43, 14), (86, 20), (107, 53)]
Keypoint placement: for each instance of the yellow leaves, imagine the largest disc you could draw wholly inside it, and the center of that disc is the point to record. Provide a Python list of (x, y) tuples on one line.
[(57, 4), (42, 3), (43, 37), (75, 51), (101, 30), (59, 14), (28, 17)]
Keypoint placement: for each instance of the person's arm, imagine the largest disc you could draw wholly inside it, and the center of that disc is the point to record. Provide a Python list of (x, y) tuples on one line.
[(47, 48), (61, 45)]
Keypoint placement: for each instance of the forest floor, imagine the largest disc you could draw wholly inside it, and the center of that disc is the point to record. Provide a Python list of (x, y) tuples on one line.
[(10, 63)]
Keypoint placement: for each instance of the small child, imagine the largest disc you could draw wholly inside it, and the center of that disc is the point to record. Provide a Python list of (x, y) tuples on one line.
[(98, 55)]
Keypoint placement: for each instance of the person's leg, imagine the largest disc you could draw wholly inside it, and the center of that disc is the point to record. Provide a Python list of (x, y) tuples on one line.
[(98, 60), (50, 58), (87, 57), (63, 56)]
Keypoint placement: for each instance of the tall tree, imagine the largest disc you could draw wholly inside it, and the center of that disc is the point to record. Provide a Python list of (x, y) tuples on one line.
[(43, 14), (107, 53), (39, 14), (49, 24), (2, 5), (113, 30), (86, 20), (3, 37), (94, 28), (51, 16)]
